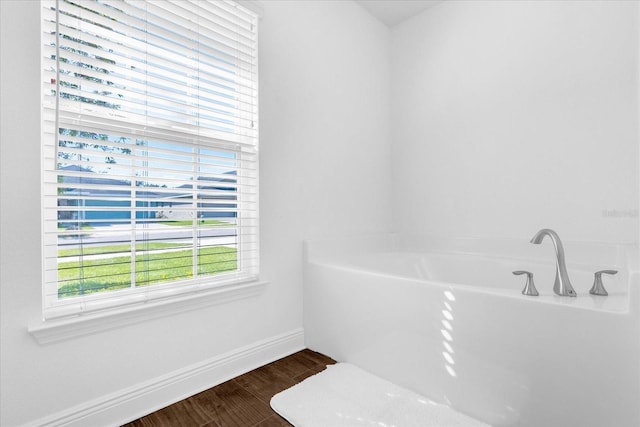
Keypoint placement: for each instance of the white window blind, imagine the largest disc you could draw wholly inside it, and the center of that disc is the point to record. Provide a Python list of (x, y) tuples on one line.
[(150, 150)]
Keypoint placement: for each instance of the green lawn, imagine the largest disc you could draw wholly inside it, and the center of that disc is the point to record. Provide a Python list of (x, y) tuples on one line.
[(115, 272), (82, 227), (94, 250)]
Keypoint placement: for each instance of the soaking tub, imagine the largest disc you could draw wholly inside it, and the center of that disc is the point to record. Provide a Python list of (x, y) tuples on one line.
[(446, 319)]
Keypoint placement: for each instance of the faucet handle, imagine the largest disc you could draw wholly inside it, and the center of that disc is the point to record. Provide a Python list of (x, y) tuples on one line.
[(529, 287), (598, 287)]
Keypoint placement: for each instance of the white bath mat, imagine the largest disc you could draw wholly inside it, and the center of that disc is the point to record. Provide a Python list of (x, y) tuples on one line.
[(345, 395)]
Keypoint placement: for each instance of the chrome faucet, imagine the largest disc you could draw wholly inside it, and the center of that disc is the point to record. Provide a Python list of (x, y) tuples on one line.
[(562, 285)]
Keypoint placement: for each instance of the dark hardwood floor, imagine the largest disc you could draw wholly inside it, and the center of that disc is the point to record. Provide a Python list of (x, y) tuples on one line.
[(242, 401)]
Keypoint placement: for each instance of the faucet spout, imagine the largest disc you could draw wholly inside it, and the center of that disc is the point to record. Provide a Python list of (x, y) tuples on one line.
[(562, 285)]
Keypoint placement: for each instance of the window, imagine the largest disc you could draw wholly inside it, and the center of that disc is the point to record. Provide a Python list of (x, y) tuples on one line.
[(150, 150)]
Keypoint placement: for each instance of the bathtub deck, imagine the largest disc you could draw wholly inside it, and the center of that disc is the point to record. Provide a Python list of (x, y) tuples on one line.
[(242, 401)]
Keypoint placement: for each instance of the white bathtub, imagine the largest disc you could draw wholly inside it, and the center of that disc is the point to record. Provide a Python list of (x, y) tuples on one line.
[(446, 319)]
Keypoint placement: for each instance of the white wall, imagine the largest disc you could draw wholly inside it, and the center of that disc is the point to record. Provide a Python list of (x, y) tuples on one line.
[(324, 129), (508, 117), (324, 171)]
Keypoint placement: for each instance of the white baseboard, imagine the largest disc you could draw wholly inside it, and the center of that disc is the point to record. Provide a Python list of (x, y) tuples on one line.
[(136, 401)]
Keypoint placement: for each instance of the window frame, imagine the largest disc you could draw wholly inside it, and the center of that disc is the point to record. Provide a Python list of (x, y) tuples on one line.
[(120, 304)]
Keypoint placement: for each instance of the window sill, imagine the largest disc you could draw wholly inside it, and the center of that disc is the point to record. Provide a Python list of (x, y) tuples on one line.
[(50, 331)]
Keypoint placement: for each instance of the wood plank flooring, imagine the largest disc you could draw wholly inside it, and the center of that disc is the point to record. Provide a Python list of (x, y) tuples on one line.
[(242, 401)]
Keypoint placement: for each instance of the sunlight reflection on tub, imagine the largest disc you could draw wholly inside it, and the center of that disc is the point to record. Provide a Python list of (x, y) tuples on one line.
[(449, 295), (447, 347), (447, 333)]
